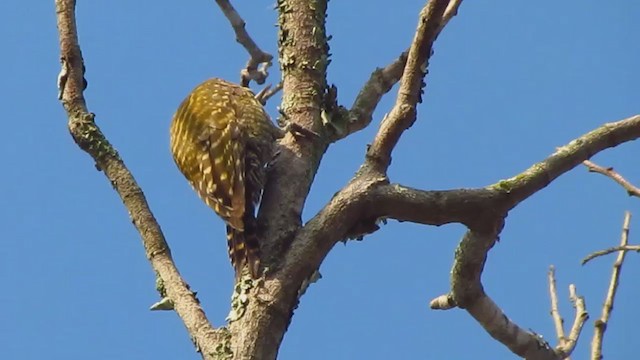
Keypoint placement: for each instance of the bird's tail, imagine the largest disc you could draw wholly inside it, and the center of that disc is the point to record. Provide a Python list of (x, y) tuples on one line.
[(244, 250)]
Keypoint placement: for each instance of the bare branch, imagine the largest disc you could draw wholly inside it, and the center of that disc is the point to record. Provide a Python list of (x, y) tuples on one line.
[(303, 57), (369, 197), (566, 345), (381, 81), (558, 322), (609, 172), (268, 92), (258, 57), (578, 323), (403, 113), (90, 139), (467, 292), (610, 250), (601, 324), (567, 157)]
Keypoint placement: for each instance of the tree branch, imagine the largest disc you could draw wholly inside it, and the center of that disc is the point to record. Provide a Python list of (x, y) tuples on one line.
[(610, 173), (450, 12), (541, 174), (268, 92), (558, 322), (566, 345), (369, 197), (601, 324), (467, 293), (303, 57), (381, 81), (403, 114), (578, 323), (257, 56), (610, 250), (90, 139), (267, 318)]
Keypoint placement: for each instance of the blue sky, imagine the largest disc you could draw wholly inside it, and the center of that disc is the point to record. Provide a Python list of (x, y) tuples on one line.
[(508, 83)]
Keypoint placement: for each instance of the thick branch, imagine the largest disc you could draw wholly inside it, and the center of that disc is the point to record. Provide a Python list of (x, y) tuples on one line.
[(303, 55), (258, 57), (607, 307), (89, 137), (450, 12), (403, 113), (368, 198), (467, 292), (567, 157), (610, 173)]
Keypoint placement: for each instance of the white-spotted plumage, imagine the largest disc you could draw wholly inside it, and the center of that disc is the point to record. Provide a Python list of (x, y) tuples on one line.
[(221, 140)]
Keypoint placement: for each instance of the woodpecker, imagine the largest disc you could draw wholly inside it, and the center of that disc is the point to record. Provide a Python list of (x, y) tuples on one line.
[(221, 139)]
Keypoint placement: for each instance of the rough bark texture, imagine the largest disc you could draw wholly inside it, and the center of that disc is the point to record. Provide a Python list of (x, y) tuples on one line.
[(303, 61), (293, 251), (90, 139)]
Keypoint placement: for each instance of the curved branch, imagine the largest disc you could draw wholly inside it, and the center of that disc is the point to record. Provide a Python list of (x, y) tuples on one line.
[(90, 139), (268, 92), (467, 293), (608, 251), (541, 174), (369, 197), (257, 56), (632, 190), (578, 322)]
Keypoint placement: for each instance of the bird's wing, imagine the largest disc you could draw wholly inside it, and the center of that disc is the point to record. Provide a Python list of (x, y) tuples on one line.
[(222, 169)]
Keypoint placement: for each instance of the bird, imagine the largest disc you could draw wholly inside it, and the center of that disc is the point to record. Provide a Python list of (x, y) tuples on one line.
[(221, 139)]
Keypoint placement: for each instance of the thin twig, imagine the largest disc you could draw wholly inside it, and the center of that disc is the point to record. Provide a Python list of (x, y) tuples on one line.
[(601, 324), (268, 92), (609, 172), (258, 65), (558, 322), (90, 139), (566, 347), (608, 251), (380, 82)]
